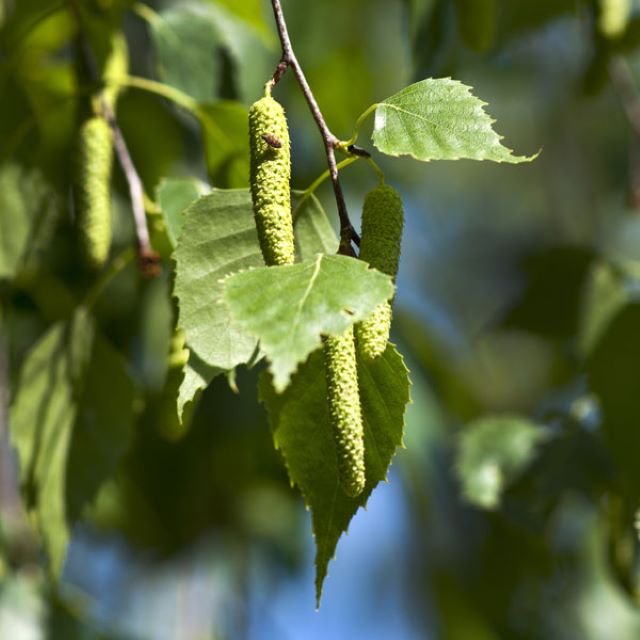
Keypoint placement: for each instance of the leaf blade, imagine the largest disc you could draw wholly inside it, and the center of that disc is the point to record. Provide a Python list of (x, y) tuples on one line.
[(301, 430), (71, 422), (219, 238), (438, 119), (288, 308)]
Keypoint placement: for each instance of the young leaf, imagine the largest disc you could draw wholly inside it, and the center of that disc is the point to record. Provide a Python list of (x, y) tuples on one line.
[(70, 422), (301, 428), (438, 119), (492, 452), (219, 238), (288, 308)]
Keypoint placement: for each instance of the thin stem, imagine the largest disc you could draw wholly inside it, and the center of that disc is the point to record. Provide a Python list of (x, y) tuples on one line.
[(377, 169), (359, 123), (136, 190), (165, 91), (347, 233), (311, 189), (115, 267), (180, 99), (321, 178)]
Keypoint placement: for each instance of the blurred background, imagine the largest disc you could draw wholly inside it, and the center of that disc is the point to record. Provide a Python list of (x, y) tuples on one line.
[(512, 511)]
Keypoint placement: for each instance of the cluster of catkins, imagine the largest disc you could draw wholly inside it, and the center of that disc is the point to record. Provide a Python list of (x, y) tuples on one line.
[(382, 221)]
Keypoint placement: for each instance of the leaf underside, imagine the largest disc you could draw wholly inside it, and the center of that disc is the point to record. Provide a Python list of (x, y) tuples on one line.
[(299, 420), (71, 422)]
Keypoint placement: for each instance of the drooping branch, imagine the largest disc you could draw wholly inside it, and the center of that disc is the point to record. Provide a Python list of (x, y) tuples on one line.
[(347, 232)]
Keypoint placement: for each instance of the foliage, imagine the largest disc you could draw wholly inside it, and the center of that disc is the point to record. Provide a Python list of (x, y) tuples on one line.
[(154, 400)]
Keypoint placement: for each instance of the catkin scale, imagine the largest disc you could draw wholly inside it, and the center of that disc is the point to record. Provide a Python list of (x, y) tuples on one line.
[(344, 411), (92, 180), (270, 180), (382, 223)]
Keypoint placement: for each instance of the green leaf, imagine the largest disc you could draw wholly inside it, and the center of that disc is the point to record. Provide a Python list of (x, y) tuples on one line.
[(492, 452), (70, 422), (438, 119), (190, 38), (302, 432), (197, 376), (289, 308), (313, 231), (28, 211), (251, 53), (250, 11), (174, 195), (186, 40), (219, 238), (225, 131)]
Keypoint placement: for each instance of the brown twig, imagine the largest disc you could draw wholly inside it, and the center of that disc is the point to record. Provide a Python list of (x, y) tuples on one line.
[(347, 232), (148, 259)]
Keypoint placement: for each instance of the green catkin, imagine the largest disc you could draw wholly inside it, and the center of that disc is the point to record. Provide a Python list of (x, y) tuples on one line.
[(92, 190), (614, 17), (344, 410), (270, 180), (382, 222)]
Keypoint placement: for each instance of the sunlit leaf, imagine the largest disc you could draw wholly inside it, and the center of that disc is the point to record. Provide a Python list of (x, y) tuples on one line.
[(289, 308), (438, 119)]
